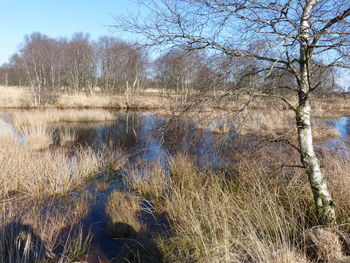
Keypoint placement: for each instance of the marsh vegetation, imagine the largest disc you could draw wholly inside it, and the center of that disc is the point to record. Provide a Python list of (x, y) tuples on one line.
[(120, 187)]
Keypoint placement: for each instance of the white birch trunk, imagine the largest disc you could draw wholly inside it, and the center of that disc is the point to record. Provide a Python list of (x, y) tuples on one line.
[(323, 201)]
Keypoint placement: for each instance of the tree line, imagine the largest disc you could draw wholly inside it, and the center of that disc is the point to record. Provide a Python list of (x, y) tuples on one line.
[(109, 65), (50, 66)]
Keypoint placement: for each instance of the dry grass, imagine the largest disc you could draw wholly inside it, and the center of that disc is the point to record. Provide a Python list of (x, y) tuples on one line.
[(37, 136), (337, 169), (258, 212), (150, 183), (121, 215), (28, 118), (33, 173), (145, 101), (67, 136), (34, 126), (38, 213), (261, 123), (42, 190), (112, 159), (92, 101), (324, 245), (31, 230), (15, 97), (328, 106), (226, 221)]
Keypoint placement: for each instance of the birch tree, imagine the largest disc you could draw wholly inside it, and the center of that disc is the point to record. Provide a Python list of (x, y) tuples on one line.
[(295, 35), (40, 59)]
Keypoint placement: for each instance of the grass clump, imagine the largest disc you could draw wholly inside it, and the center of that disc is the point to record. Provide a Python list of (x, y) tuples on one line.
[(35, 230), (67, 136), (324, 245), (113, 159), (47, 172), (77, 245), (37, 136), (254, 216), (121, 215), (150, 183)]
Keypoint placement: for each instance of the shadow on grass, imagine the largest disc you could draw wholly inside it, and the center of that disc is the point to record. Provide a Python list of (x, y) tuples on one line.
[(140, 250), (136, 246), (19, 243)]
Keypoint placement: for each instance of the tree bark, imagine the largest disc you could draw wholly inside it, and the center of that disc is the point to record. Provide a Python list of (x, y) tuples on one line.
[(323, 201)]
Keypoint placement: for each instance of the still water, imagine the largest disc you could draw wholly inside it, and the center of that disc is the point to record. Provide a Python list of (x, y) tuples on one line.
[(150, 138), (342, 143)]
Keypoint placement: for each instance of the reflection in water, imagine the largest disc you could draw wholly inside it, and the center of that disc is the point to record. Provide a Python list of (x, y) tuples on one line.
[(342, 125), (6, 129), (152, 138)]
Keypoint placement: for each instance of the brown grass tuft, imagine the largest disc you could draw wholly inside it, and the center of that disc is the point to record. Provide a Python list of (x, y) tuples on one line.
[(324, 245), (121, 215), (32, 173), (150, 183)]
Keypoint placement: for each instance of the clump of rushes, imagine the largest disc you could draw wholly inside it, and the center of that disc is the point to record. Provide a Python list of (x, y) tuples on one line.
[(150, 183), (113, 159), (76, 245), (121, 215), (184, 174), (39, 173), (219, 219), (67, 136), (37, 136)]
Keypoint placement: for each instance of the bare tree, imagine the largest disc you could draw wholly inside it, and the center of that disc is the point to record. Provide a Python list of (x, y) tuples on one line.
[(80, 64), (40, 59), (122, 66), (292, 36), (183, 72)]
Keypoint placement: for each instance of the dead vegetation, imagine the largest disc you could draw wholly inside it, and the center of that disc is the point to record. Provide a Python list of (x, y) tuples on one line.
[(43, 195), (16, 97), (257, 211)]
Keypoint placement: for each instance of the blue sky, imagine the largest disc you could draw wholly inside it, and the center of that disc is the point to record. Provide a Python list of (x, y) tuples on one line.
[(56, 18)]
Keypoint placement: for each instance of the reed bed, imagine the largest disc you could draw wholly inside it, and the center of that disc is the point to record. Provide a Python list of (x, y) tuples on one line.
[(17, 97), (43, 229), (258, 211), (32, 117), (46, 172)]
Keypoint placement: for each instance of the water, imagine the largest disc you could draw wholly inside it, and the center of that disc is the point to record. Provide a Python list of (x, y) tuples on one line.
[(7, 129), (145, 136), (342, 143)]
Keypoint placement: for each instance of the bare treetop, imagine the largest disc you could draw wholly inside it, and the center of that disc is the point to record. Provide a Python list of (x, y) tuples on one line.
[(280, 27)]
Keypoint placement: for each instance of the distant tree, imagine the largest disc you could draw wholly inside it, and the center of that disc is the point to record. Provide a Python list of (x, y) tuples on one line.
[(183, 72), (122, 66), (40, 59), (4, 75), (80, 64)]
